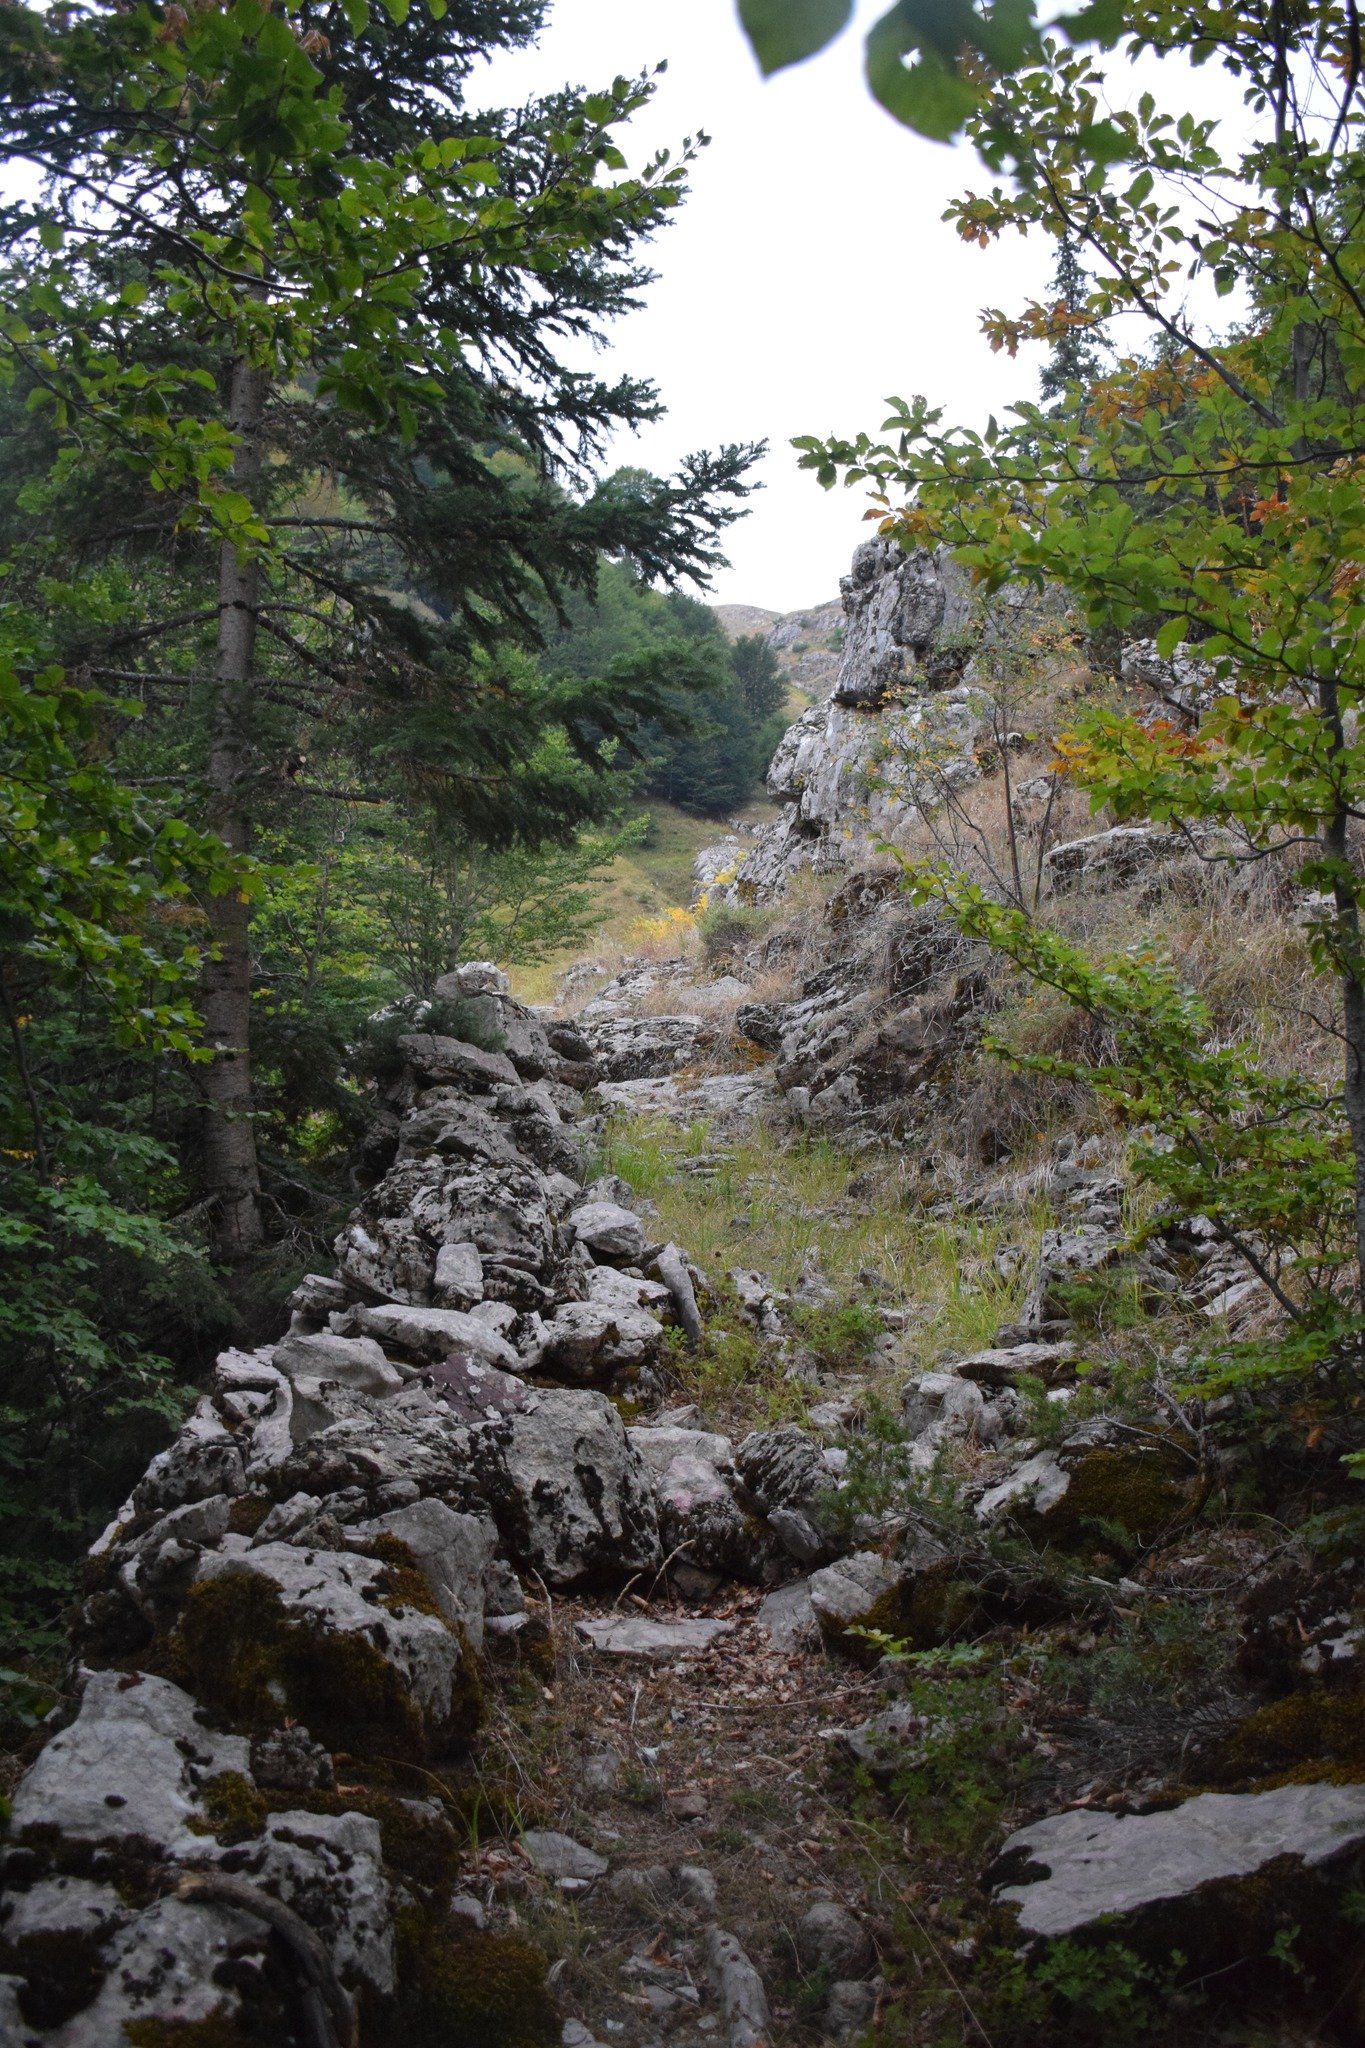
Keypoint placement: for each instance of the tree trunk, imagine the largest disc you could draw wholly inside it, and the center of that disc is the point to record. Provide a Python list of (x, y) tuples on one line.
[(231, 1173)]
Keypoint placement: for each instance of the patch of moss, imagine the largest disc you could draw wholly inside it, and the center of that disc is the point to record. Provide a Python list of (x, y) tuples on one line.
[(1299, 1740), (242, 1656), (60, 1971), (1130, 1497), (403, 1584), (234, 1810), (421, 1848), (461, 1988), (247, 1513), (216, 2030)]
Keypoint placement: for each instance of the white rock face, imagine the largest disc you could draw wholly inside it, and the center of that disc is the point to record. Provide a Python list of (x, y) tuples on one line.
[(452, 1552), (351, 1361), (432, 1332), (569, 1494), (133, 1762), (1075, 1868), (609, 1232), (634, 1635)]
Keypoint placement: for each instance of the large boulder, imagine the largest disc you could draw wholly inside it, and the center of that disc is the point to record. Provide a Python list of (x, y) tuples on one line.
[(571, 1498), (609, 1232), (1216, 1877), (645, 1048), (450, 1062), (1105, 1484), (431, 1333), (136, 1760), (356, 1362), (587, 1340), (452, 1552), (338, 1641)]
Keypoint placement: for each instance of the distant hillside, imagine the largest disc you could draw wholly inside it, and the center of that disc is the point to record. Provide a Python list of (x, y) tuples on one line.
[(807, 643)]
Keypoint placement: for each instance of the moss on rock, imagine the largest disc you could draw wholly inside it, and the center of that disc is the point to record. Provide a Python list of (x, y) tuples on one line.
[(237, 1650), (461, 1988)]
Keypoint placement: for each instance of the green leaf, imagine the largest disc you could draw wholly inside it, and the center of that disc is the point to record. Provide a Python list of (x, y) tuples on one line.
[(928, 95), (1169, 637), (785, 32)]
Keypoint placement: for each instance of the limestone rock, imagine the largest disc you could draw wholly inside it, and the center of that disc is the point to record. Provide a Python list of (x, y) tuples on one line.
[(785, 1473), (855, 1592), (352, 1361), (453, 1553), (458, 1278), (133, 1762), (739, 1991), (429, 1333), (1101, 1474), (1190, 1866), (700, 1519), (609, 1232), (334, 1595), (204, 1459), (644, 1048), (570, 1497), (449, 1062), (634, 1635), (587, 1340), (567, 1863)]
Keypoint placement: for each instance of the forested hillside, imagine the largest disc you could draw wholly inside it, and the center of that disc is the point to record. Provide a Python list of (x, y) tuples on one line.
[(807, 1488)]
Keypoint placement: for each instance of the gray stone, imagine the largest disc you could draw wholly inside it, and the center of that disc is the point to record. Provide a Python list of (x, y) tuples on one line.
[(1005, 1366), (644, 1048), (338, 1594), (830, 1938), (671, 1268), (204, 1459), (789, 1618), (697, 1889), (634, 1635), (614, 1289), (570, 1497), (453, 1553), (739, 1990), (601, 1770), (433, 1332), (587, 1340), (466, 1907), (164, 1964), (942, 1402), (564, 1861), (849, 2006), (1072, 1870), (450, 1062), (329, 1868), (351, 1361), (609, 1231), (133, 1762), (845, 1595), (458, 1278)]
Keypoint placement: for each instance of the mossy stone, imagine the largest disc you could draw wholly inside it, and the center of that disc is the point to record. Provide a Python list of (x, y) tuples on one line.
[(461, 1988), (61, 1971), (1309, 1738), (238, 1651)]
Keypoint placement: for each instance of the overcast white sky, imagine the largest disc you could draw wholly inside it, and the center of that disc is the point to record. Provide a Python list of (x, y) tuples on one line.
[(809, 277)]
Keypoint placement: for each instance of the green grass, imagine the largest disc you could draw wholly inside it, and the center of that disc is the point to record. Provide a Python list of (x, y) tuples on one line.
[(770, 1204)]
